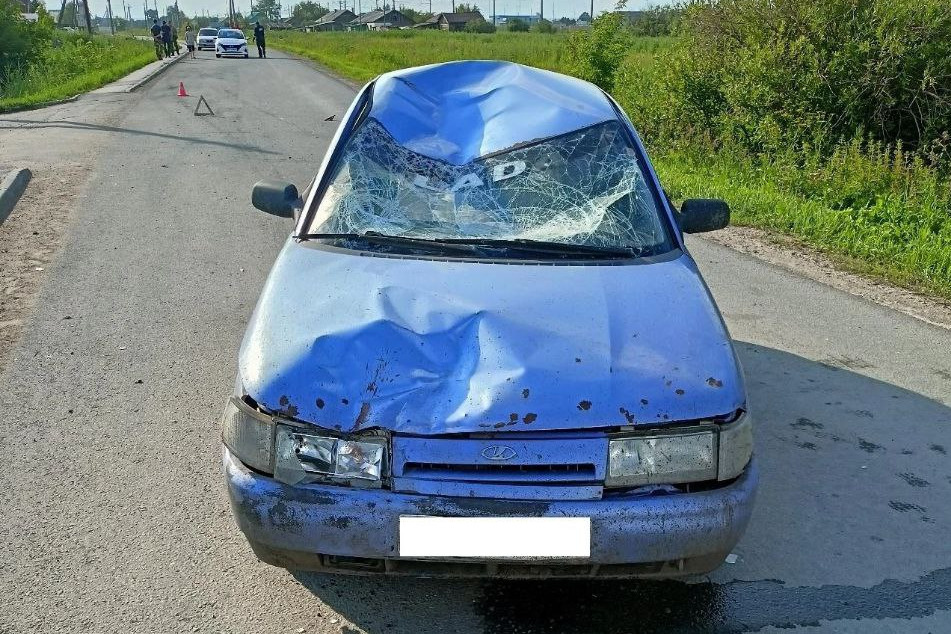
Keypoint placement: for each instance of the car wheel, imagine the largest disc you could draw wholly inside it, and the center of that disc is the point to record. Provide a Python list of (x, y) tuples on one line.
[(217, 54), (245, 56)]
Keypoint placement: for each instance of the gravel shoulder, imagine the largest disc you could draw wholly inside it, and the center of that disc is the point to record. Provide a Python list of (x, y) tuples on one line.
[(786, 253)]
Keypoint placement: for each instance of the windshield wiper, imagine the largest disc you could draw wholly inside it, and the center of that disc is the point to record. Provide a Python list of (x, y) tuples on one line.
[(467, 245), (541, 246), (383, 238)]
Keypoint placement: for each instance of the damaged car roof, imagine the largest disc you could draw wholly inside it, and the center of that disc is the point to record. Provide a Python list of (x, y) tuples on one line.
[(460, 111)]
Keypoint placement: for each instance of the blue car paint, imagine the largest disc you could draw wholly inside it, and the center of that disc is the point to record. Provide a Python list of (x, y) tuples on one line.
[(430, 347), (421, 346)]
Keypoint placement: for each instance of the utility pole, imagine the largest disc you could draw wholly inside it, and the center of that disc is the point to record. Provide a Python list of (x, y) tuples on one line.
[(62, 10), (112, 26), (591, 15), (541, 13), (494, 22), (88, 18)]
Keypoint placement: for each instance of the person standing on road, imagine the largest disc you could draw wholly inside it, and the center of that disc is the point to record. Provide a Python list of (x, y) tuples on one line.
[(156, 32), (190, 40), (167, 38), (259, 39)]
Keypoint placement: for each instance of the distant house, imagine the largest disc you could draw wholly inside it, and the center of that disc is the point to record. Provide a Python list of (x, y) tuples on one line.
[(333, 21), (379, 21), (450, 21)]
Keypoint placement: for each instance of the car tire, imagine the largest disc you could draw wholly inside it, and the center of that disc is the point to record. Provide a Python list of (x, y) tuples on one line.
[(245, 56), (217, 54)]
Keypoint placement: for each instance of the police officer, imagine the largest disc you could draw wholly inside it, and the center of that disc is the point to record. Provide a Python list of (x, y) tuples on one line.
[(259, 39)]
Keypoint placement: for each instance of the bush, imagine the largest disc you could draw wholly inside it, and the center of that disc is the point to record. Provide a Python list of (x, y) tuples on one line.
[(543, 26), (596, 53), (517, 26), (774, 74), (21, 41), (479, 26)]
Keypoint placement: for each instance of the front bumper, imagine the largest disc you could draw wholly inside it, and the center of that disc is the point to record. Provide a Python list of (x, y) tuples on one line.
[(224, 53), (342, 529)]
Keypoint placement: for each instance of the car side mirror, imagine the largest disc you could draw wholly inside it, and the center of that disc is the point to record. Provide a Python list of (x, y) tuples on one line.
[(698, 215), (277, 198)]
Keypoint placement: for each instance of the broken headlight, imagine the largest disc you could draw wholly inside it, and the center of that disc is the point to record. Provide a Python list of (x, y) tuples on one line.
[(693, 455), (249, 434), (303, 457)]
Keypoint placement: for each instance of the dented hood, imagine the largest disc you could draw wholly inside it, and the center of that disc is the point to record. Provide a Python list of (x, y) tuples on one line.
[(350, 341)]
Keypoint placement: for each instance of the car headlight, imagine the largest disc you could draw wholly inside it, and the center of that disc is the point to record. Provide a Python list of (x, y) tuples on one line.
[(736, 447), (249, 434), (297, 454), (695, 455), (303, 457)]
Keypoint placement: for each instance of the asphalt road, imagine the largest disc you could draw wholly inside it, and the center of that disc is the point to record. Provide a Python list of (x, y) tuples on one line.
[(114, 516)]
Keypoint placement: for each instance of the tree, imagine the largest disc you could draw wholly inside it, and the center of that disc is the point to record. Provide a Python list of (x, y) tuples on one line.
[(479, 26), (467, 8), (416, 16), (174, 15), (584, 17), (307, 12), (517, 26), (543, 26), (270, 9)]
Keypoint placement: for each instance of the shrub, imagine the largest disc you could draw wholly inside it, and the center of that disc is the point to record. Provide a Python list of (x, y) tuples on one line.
[(517, 26), (479, 26), (596, 53), (773, 74), (543, 26)]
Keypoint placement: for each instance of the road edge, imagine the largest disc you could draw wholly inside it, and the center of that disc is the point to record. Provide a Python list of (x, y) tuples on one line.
[(158, 71), (11, 188), (787, 253)]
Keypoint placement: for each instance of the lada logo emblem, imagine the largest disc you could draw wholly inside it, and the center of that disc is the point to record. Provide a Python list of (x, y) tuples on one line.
[(498, 452)]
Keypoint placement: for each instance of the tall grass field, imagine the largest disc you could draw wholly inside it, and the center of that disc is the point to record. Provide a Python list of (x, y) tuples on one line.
[(52, 65), (877, 205)]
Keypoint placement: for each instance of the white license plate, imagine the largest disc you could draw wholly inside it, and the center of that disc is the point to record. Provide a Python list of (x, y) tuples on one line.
[(495, 537)]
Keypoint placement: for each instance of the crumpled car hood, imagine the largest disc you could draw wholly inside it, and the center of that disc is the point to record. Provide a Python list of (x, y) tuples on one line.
[(350, 342)]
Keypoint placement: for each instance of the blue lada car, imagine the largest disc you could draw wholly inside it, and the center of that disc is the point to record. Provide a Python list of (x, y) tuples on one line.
[(485, 350)]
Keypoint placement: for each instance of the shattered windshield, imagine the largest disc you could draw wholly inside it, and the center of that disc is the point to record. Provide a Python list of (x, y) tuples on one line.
[(582, 188)]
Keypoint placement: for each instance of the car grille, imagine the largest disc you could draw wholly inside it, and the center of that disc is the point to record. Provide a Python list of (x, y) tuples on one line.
[(500, 467)]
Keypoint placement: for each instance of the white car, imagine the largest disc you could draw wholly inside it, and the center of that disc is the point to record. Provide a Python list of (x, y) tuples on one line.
[(206, 38), (231, 43)]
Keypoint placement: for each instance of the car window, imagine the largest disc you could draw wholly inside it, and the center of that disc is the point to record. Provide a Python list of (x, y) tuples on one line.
[(230, 34), (584, 188), (208, 32)]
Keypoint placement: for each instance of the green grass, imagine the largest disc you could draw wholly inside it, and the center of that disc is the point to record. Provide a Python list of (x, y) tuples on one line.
[(903, 238), (77, 65), (872, 210), (362, 56)]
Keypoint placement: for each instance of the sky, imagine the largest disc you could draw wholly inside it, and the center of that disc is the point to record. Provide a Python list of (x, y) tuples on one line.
[(560, 8)]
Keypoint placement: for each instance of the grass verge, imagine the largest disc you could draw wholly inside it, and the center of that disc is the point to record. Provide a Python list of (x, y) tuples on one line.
[(77, 65)]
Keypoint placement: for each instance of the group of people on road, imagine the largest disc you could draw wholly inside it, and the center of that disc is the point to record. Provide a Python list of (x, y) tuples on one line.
[(165, 38)]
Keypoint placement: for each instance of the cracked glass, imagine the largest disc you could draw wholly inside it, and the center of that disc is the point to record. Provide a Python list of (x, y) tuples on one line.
[(584, 188)]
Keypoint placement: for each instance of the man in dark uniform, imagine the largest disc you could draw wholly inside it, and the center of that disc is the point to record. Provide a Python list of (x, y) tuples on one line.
[(167, 38), (156, 32), (259, 39)]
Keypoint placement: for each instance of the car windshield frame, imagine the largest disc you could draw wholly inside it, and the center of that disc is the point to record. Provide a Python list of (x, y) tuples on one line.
[(207, 32), (645, 203)]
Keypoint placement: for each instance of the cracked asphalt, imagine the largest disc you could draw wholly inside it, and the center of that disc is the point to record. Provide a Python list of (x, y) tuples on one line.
[(114, 515)]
